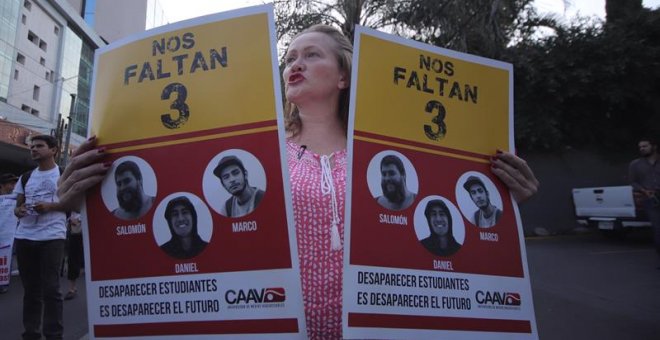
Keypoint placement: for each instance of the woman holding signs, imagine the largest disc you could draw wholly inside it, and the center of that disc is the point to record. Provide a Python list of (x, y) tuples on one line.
[(317, 81)]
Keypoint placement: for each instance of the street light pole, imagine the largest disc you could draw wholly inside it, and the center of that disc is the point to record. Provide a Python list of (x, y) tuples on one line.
[(65, 159)]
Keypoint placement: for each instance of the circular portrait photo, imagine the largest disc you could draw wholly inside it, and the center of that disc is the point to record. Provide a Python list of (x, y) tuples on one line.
[(234, 183), (479, 200), (392, 180), (182, 225), (129, 188), (439, 226)]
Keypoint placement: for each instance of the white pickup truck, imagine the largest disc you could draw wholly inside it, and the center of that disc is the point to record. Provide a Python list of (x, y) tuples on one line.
[(610, 209)]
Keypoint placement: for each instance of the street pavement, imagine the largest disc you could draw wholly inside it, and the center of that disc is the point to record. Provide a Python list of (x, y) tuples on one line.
[(591, 287), (11, 309), (584, 286)]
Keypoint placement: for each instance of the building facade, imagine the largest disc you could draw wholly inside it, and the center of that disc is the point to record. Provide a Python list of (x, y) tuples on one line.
[(46, 61), (46, 66)]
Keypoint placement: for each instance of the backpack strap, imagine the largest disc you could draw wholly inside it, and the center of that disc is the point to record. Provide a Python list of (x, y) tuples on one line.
[(25, 177)]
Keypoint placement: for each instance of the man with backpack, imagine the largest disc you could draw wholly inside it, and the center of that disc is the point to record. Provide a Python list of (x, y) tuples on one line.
[(40, 240)]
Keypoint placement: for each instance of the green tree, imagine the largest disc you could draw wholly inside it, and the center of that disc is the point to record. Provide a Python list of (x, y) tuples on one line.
[(589, 85), (293, 16), (482, 27)]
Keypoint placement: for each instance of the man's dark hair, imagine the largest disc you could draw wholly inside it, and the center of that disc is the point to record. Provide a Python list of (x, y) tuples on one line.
[(129, 166), (49, 140), (8, 178), (391, 159), (472, 180), (651, 140), (225, 162)]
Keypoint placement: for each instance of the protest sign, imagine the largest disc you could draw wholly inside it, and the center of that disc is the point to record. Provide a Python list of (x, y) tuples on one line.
[(436, 247), (191, 232), (7, 229)]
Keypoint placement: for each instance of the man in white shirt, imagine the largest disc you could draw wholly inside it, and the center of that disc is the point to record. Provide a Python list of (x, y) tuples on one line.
[(40, 239)]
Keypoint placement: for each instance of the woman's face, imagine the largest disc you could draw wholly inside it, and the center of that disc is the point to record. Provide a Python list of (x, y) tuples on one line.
[(312, 71), (181, 220)]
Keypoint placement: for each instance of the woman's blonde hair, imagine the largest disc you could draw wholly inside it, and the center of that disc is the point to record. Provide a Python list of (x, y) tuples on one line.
[(344, 54)]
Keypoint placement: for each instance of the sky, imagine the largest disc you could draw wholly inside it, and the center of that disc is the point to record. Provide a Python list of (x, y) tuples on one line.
[(177, 10)]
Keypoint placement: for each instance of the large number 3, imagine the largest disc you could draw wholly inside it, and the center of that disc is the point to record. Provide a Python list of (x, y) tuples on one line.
[(178, 104), (438, 120)]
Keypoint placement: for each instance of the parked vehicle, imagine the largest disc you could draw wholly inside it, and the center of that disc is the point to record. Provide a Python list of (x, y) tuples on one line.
[(613, 210)]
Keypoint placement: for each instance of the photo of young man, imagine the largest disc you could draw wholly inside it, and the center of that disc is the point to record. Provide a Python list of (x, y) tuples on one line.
[(129, 190), (234, 183), (392, 180)]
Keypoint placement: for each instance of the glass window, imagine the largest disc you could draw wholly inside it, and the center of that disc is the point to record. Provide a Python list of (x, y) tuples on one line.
[(20, 58), (89, 12), (35, 93), (33, 38), (16, 74), (23, 19), (27, 4), (42, 61), (25, 108), (10, 13), (34, 112), (77, 66)]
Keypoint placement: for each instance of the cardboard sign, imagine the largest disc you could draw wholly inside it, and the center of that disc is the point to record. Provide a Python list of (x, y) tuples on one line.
[(191, 232), (436, 248)]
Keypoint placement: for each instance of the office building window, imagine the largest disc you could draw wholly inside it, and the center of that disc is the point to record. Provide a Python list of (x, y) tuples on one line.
[(56, 30), (23, 19), (42, 61), (33, 38), (20, 58), (15, 74), (25, 108), (43, 45), (34, 112), (35, 92), (27, 4)]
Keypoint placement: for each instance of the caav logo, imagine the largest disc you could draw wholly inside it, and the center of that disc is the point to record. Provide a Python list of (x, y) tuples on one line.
[(498, 298), (264, 295)]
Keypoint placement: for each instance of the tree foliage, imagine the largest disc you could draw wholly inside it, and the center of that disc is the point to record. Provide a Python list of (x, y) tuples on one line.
[(293, 16), (483, 27), (588, 84)]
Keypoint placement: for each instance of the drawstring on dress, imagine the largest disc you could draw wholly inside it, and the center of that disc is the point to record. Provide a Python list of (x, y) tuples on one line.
[(328, 187)]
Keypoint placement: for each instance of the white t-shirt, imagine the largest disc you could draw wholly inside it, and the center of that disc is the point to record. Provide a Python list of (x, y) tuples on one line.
[(7, 219), (41, 187)]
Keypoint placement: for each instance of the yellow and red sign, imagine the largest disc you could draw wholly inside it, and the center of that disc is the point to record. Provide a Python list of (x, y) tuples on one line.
[(436, 246), (189, 233)]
